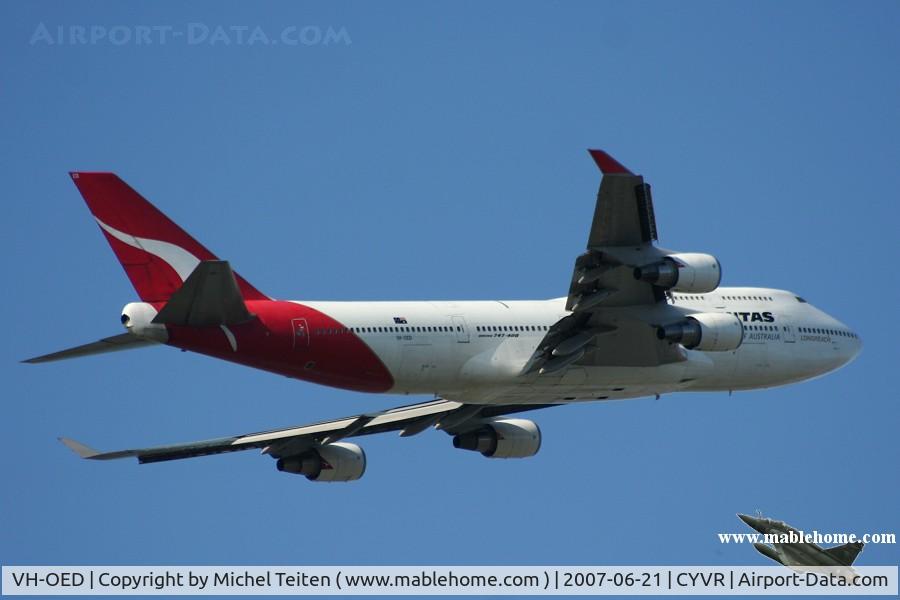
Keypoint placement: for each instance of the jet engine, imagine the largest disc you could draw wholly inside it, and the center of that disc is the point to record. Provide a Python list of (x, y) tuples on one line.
[(690, 273), (502, 438), (339, 461), (711, 332)]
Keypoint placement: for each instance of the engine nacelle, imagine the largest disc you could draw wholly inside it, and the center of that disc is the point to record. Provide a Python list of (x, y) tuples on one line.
[(339, 461), (691, 273), (502, 438), (137, 317), (710, 332)]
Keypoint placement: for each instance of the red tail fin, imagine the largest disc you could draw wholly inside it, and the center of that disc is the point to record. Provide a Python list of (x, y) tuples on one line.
[(157, 254)]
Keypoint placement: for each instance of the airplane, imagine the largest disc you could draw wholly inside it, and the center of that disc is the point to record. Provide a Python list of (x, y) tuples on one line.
[(800, 554), (638, 320)]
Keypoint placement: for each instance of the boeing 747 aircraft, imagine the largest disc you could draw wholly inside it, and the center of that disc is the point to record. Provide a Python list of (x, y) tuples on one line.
[(638, 320)]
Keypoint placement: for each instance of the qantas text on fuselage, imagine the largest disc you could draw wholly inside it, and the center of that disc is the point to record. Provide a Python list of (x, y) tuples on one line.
[(637, 320)]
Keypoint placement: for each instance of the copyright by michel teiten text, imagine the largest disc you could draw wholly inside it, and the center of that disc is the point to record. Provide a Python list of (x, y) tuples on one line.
[(445, 580)]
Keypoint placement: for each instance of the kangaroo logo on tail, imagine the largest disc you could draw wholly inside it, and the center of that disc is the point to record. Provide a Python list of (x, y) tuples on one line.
[(158, 256)]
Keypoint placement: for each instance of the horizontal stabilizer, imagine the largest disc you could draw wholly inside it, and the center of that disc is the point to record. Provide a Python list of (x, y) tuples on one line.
[(124, 341), (847, 553), (209, 296)]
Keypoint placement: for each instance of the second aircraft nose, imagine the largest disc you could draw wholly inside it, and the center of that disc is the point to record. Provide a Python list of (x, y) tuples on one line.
[(753, 522)]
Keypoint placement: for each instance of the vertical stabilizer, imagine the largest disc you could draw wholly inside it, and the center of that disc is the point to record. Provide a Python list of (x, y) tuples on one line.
[(157, 255)]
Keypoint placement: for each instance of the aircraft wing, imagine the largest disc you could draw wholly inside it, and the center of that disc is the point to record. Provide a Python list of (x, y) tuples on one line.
[(846, 553), (610, 308), (449, 416), (123, 341), (624, 212), (622, 233)]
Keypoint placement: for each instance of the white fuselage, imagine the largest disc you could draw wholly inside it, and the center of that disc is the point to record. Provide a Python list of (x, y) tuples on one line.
[(475, 351)]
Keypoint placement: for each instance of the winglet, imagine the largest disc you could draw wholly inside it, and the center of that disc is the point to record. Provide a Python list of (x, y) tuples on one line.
[(608, 165), (79, 448)]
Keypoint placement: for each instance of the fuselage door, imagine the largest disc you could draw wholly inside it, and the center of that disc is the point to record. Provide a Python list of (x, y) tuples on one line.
[(787, 330), (462, 332), (301, 334)]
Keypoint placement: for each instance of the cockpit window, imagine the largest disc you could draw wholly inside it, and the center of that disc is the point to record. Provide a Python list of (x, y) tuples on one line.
[(799, 299)]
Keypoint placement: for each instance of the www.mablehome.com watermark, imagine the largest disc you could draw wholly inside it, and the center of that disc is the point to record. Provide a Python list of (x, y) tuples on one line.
[(189, 34)]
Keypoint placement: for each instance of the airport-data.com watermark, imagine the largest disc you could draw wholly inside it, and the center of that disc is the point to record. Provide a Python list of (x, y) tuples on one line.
[(189, 34)]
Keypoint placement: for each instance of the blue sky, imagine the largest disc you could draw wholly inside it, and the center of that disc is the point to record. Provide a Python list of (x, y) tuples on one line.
[(437, 151)]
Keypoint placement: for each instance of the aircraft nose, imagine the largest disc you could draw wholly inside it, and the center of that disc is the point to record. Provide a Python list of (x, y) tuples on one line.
[(753, 522), (853, 348)]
